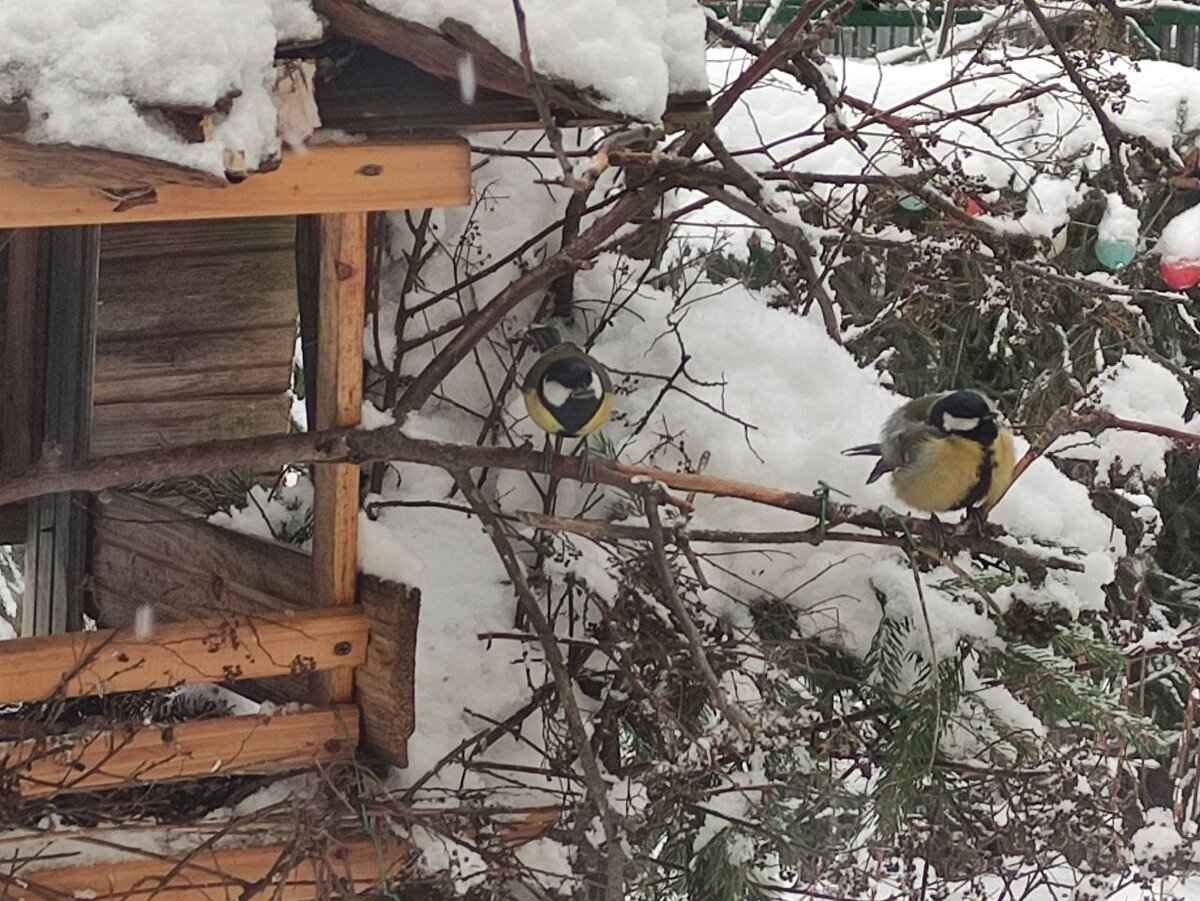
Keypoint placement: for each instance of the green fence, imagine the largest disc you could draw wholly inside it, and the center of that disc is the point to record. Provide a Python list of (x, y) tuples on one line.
[(1170, 34)]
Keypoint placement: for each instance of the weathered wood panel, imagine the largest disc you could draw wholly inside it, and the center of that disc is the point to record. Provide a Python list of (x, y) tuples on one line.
[(195, 292), (168, 752), (150, 553), (384, 685), (196, 332), (18, 354), (186, 239), (269, 380), (57, 538), (219, 874), (126, 427), (156, 367)]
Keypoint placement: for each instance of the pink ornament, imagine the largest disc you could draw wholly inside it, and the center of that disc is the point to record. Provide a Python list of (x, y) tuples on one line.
[(972, 207), (1180, 274)]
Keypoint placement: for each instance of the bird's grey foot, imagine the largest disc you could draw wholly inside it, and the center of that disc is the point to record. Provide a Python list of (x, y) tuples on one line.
[(548, 456), (586, 469), (975, 522), (938, 531)]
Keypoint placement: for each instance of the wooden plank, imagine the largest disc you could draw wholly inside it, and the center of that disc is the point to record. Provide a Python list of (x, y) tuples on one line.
[(164, 367), (196, 293), (140, 425), (196, 651), (18, 355), (191, 565), (384, 684), (191, 239), (325, 178), (270, 380), (169, 752), (341, 314), (222, 874), (57, 165), (56, 549)]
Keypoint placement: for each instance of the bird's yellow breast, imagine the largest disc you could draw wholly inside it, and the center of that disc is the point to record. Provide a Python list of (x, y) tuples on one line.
[(947, 470)]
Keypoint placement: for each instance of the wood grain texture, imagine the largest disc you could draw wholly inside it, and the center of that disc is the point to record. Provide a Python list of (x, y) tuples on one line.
[(221, 875), (146, 552), (326, 178), (196, 292), (58, 525), (140, 425), (169, 752), (384, 685), (164, 367), (341, 312), (59, 165), (196, 651), (196, 238)]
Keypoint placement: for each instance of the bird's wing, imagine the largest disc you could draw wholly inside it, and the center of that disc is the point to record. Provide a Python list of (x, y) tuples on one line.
[(882, 468)]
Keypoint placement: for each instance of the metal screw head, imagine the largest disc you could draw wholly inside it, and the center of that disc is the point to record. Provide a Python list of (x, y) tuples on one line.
[(342, 648)]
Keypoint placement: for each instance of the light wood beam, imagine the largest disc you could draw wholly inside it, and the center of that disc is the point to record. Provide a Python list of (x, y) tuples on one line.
[(212, 874), (324, 179), (168, 752), (341, 313), (196, 651)]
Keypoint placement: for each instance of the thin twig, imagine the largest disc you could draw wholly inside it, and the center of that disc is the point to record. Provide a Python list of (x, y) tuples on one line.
[(734, 715)]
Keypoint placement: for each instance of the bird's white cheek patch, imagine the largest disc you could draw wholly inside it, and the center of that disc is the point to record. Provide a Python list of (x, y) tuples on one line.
[(953, 423), (555, 394)]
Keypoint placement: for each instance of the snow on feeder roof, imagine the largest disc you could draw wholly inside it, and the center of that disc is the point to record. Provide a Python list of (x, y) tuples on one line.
[(198, 92)]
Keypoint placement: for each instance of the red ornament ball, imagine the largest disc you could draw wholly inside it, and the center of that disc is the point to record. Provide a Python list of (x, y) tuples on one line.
[(1180, 275)]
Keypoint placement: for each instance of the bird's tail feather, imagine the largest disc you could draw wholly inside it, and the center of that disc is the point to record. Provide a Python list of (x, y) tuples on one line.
[(864, 450)]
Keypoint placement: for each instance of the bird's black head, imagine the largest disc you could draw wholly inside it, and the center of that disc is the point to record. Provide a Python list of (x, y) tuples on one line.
[(570, 372), (965, 413)]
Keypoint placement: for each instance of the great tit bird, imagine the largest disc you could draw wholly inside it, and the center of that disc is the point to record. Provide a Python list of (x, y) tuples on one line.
[(945, 452), (568, 394)]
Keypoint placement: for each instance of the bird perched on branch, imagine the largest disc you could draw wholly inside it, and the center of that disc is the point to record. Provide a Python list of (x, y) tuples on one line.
[(568, 394), (945, 451)]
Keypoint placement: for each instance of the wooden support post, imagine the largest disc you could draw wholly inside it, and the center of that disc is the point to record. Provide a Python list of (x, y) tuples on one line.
[(56, 552), (168, 752), (348, 868), (18, 355), (341, 312), (191, 652)]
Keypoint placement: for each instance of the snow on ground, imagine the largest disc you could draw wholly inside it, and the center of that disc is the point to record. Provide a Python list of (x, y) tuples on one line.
[(661, 43)]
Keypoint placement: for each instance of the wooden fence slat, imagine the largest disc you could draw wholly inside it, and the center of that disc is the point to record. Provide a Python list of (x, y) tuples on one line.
[(341, 313), (217, 875), (325, 178), (196, 651), (167, 752)]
